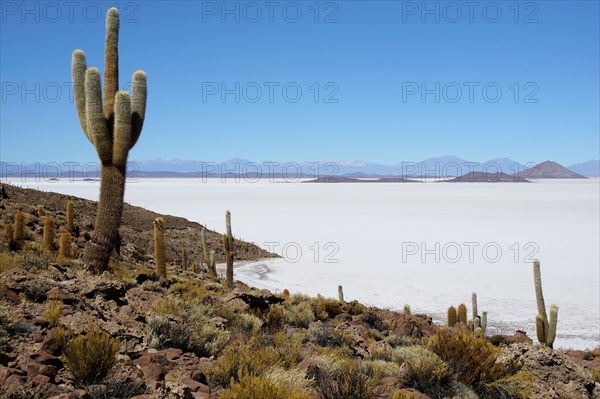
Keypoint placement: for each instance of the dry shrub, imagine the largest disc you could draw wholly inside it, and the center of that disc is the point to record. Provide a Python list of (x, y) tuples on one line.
[(423, 370), (52, 312), (326, 308), (471, 359), (257, 387), (90, 357), (348, 380), (299, 315)]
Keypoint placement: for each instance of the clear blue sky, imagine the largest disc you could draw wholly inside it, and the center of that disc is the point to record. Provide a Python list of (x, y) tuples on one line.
[(370, 56)]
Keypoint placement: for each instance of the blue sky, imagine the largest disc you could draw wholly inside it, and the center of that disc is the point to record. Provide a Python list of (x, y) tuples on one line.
[(361, 67)]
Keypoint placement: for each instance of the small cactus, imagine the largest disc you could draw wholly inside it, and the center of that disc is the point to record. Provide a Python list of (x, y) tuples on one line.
[(159, 247), (406, 309), (484, 321), (545, 330), (452, 316), (48, 237), (211, 269), (212, 258), (184, 259), (474, 307), (70, 216), (462, 313), (19, 226), (228, 243), (340, 293), (64, 247), (40, 210)]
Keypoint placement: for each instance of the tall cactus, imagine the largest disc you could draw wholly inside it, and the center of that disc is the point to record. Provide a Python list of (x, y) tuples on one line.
[(462, 313), (19, 226), (159, 247), (48, 237), (229, 250), (113, 129), (210, 266), (70, 216), (545, 330), (452, 316)]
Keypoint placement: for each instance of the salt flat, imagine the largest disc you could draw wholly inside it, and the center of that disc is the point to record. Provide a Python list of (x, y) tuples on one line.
[(428, 245)]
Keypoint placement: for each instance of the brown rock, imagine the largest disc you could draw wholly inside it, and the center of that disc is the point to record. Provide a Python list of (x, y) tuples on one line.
[(173, 353), (40, 380)]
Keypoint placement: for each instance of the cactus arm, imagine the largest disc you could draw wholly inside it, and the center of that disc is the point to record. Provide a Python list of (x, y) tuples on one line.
[(159, 247), (138, 104), (122, 131), (540, 329), (96, 123), (111, 63), (539, 296), (78, 68), (552, 326), (484, 321)]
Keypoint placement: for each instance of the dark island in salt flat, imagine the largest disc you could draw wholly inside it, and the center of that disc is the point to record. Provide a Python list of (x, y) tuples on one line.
[(488, 177), (549, 170), (344, 179)]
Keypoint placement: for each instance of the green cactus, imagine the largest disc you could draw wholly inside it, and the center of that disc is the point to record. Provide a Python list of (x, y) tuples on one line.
[(475, 315), (212, 258), (477, 321), (462, 313), (64, 247), (70, 216), (452, 316), (184, 259), (113, 129), (545, 330), (484, 321), (19, 226), (406, 309), (341, 293), (48, 237), (210, 266), (228, 243), (159, 247)]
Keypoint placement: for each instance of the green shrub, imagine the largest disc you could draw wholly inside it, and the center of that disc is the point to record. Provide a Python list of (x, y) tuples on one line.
[(348, 380), (424, 371), (90, 357), (299, 315), (274, 319), (471, 359), (189, 335), (326, 308), (241, 360), (256, 387), (247, 323)]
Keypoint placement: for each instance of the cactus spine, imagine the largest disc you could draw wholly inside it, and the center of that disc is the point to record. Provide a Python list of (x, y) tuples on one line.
[(159, 247), (229, 250), (462, 313), (340, 293), (545, 330), (113, 129), (48, 237), (70, 216), (19, 226), (452, 317)]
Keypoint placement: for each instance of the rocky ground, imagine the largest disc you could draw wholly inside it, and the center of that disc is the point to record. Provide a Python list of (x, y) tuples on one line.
[(187, 336)]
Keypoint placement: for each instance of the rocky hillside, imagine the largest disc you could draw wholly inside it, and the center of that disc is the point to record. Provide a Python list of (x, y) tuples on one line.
[(65, 333), (136, 227)]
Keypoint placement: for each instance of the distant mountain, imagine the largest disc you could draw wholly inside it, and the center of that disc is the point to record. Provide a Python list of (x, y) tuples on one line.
[(488, 177), (441, 168), (589, 168), (549, 170)]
